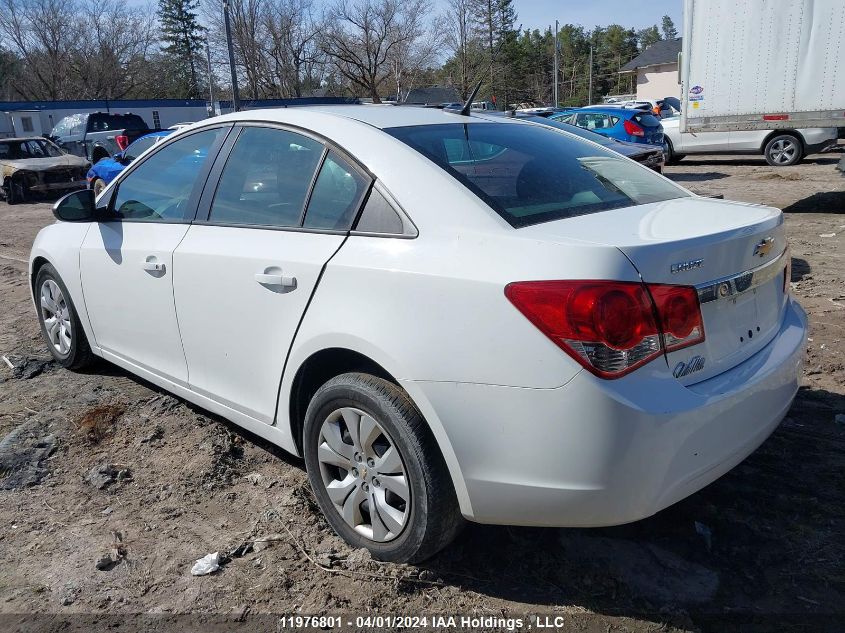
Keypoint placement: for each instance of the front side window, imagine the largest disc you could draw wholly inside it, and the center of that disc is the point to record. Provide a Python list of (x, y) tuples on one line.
[(158, 190), (531, 174), (266, 178)]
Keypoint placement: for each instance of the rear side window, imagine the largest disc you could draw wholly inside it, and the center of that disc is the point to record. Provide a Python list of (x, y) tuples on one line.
[(99, 122), (337, 195), (531, 174), (379, 216), (266, 178)]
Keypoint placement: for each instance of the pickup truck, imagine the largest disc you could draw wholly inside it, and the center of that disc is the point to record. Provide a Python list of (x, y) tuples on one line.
[(97, 135)]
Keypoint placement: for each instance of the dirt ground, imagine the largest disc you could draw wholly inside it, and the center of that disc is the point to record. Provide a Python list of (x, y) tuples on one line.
[(135, 485)]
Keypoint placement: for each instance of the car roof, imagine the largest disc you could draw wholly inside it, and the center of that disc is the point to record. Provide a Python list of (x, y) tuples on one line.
[(378, 116), (629, 112)]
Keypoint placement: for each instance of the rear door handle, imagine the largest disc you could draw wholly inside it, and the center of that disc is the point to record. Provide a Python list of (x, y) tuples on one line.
[(153, 267), (275, 279)]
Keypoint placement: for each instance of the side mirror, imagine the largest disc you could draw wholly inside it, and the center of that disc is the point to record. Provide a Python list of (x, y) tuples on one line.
[(77, 206)]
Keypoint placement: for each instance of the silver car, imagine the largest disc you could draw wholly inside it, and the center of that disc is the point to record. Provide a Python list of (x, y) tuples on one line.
[(780, 148)]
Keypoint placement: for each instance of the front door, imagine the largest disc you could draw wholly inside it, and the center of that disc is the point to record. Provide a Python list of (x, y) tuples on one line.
[(246, 274), (127, 261)]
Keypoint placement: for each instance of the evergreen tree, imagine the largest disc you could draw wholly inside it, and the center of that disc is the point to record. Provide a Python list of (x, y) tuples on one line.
[(668, 28), (182, 35), (647, 37)]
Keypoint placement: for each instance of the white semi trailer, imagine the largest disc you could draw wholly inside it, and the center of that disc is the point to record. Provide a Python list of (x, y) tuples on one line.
[(762, 65)]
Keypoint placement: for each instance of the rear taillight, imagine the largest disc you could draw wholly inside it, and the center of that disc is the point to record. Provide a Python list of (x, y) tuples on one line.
[(633, 129), (611, 327), (122, 141), (680, 315)]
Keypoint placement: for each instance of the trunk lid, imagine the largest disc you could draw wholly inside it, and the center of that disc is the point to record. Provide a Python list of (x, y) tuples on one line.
[(734, 253)]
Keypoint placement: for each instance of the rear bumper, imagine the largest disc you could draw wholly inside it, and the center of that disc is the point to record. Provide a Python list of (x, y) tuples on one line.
[(597, 452)]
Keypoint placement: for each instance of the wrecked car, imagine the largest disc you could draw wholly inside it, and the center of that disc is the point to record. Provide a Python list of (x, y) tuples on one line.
[(35, 166)]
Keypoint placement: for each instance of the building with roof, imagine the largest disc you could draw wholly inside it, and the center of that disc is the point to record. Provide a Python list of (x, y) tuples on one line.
[(656, 69)]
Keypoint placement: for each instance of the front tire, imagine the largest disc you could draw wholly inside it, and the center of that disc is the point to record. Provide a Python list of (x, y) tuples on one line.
[(783, 150), (669, 155), (60, 325), (376, 470)]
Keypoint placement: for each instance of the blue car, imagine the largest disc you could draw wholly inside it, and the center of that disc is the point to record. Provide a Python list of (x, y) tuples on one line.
[(107, 169), (623, 124)]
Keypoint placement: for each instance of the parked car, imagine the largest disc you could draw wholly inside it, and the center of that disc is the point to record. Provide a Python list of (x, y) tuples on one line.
[(449, 316), (624, 124), (780, 148), (105, 170), (97, 135), (34, 166), (648, 155), (666, 107)]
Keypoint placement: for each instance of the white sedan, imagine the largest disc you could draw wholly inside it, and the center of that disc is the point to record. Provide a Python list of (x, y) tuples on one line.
[(450, 317), (780, 148)]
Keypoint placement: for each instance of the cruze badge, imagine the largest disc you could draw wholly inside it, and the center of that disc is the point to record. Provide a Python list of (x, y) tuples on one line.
[(685, 266), (696, 363), (764, 246)]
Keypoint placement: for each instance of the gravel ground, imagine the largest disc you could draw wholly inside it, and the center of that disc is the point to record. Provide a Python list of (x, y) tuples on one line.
[(110, 489)]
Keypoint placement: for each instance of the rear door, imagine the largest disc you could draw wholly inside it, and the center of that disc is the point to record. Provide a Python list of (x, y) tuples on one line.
[(248, 268)]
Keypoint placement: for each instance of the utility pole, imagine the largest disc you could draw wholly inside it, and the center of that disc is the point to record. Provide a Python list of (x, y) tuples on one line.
[(590, 89), (236, 100), (210, 79), (557, 65)]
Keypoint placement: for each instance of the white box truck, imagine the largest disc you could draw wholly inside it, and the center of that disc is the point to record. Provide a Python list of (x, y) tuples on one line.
[(762, 65)]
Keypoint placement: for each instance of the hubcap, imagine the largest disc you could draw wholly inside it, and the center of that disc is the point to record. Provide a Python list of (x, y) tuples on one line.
[(363, 473), (56, 316), (783, 151)]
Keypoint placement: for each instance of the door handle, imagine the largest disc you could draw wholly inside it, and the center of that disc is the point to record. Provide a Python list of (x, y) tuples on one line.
[(153, 267), (275, 279)]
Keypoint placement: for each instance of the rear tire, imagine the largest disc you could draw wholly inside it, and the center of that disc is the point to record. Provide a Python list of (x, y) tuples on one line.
[(60, 325), (783, 150), (400, 505)]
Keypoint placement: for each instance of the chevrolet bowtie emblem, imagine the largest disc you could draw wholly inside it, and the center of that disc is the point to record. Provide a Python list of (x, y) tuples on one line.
[(764, 246)]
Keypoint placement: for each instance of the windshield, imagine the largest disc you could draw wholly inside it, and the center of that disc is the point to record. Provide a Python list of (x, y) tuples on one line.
[(30, 148), (531, 174)]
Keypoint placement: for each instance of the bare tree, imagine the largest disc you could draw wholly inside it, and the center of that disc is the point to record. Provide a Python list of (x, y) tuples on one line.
[(71, 49), (462, 37), (362, 36), (294, 47)]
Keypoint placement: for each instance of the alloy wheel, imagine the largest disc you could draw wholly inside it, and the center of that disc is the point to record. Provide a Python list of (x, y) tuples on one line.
[(783, 151), (364, 475), (55, 314)]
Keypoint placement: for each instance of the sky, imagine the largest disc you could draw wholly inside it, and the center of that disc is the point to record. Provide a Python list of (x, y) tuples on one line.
[(539, 14)]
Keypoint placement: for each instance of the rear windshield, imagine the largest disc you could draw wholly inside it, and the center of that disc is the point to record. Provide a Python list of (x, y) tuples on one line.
[(646, 120), (103, 122), (531, 174)]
